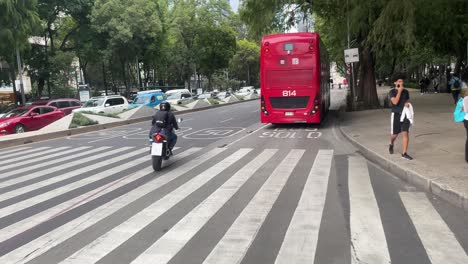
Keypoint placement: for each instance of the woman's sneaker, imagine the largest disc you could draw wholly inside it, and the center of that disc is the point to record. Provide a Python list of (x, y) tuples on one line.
[(390, 149), (406, 156)]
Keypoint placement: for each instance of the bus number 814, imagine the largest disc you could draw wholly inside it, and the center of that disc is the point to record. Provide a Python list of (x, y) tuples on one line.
[(289, 93)]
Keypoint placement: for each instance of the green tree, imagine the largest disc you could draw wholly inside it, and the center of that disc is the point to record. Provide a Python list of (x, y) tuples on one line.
[(245, 64), (216, 45), (128, 28), (18, 19)]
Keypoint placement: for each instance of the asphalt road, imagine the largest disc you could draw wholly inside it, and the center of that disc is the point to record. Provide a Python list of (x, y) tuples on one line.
[(236, 191)]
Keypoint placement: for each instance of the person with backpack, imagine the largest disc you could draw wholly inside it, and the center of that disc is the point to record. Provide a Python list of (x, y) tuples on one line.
[(165, 121), (455, 87), (465, 122)]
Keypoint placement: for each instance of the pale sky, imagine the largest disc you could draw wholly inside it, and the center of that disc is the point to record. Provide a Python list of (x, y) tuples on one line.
[(234, 4)]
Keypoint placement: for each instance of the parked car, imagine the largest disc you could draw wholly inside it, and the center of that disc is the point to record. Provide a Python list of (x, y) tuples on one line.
[(111, 104), (244, 91), (203, 96), (179, 96), (28, 118), (66, 105), (149, 98), (223, 95), (7, 108)]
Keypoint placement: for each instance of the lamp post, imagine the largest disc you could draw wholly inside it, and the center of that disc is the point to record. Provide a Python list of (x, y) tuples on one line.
[(20, 75), (351, 83)]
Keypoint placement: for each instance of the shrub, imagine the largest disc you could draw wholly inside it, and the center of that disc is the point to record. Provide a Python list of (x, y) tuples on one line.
[(80, 120), (113, 115)]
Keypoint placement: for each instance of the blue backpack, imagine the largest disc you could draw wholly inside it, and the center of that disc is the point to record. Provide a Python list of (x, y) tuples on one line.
[(459, 114)]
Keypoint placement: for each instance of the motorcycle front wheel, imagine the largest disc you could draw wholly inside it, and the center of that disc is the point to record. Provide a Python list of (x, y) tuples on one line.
[(157, 162)]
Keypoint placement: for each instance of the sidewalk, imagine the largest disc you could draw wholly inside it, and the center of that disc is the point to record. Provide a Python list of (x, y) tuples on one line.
[(436, 143)]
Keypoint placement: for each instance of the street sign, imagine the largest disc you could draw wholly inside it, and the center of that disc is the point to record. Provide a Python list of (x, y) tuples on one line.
[(84, 92), (351, 55)]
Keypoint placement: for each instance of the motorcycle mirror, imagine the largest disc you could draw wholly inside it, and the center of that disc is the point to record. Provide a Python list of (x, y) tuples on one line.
[(180, 120)]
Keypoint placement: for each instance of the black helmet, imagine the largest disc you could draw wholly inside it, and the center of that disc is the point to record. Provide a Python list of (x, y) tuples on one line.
[(165, 106)]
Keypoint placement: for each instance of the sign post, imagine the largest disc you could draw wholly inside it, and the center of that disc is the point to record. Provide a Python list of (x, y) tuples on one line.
[(351, 56), (84, 92)]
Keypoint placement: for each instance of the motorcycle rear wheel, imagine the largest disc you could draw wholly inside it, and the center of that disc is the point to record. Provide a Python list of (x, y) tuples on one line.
[(157, 163)]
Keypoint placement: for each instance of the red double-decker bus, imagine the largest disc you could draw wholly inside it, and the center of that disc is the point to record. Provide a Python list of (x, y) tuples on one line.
[(294, 79)]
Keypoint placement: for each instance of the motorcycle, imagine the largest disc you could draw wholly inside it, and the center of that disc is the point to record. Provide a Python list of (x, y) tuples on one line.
[(159, 148)]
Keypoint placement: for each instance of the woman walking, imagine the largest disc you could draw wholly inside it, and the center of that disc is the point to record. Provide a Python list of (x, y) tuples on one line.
[(465, 108)]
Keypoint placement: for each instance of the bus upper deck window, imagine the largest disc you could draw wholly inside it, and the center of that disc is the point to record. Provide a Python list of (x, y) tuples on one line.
[(288, 47)]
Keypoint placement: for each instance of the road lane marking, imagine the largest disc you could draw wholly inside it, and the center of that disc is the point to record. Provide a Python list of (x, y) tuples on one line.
[(72, 186), (235, 243), (19, 151), (229, 119), (300, 242), (42, 244), (175, 239), (123, 133), (50, 163), (365, 222), (253, 132), (118, 235), (439, 241), (28, 158)]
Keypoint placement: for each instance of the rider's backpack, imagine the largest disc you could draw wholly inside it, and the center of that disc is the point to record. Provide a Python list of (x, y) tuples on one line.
[(161, 119)]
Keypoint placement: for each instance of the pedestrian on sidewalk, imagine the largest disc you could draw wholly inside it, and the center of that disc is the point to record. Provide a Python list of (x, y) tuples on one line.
[(423, 85), (399, 99), (465, 122), (455, 87), (435, 84)]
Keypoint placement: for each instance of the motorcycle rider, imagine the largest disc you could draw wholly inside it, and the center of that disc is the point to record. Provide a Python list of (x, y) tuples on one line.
[(165, 121)]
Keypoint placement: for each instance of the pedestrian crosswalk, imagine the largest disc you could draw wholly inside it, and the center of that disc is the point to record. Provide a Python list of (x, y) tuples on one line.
[(88, 204)]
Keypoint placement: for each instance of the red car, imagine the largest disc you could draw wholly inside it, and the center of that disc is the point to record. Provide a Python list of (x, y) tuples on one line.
[(66, 105), (28, 118)]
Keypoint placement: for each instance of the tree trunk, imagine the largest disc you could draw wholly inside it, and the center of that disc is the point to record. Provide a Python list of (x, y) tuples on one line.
[(393, 66), (11, 70), (458, 66), (104, 77), (367, 87), (248, 74), (40, 86)]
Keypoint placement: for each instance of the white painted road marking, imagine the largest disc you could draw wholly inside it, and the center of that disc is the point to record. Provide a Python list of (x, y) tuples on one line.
[(365, 222), (175, 239), (235, 243), (300, 242), (440, 243)]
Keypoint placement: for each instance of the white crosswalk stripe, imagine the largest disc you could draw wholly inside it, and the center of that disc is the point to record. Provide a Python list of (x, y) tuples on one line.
[(70, 187), (23, 160), (237, 240), (433, 231), (58, 235), (32, 221), (50, 163), (20, 150), (168, 245), (365, 222), (28, 188), (45, 157), (184, 176), (11, 156), (106, 243), (300, 242)]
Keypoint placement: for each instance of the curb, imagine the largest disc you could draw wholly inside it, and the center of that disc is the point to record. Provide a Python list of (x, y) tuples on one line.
[(87, 129), (440, 190)]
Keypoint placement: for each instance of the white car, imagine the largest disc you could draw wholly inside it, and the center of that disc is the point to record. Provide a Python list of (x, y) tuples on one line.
[(245, 91), (179, 96), (112, 104)]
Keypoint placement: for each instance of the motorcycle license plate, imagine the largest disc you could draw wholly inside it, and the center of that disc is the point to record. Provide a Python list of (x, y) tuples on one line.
[(156, 149)]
